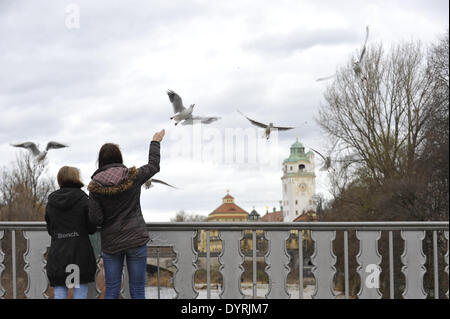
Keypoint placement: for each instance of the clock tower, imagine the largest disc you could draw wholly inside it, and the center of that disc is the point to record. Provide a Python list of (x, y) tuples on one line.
[(298, 182)]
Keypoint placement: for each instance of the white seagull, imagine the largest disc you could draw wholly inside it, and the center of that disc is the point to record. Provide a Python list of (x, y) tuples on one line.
[(184, 115), (268, 128), (148, 184), (356, 65), (36, 152), (326, 161)]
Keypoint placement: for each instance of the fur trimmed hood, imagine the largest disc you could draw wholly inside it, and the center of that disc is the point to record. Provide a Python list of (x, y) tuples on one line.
[(98, 188)]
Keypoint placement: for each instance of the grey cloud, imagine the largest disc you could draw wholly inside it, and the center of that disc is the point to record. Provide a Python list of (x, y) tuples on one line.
[(286, 44)]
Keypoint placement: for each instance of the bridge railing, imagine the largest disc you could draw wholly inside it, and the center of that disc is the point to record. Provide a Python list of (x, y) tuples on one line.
[(181, 237)]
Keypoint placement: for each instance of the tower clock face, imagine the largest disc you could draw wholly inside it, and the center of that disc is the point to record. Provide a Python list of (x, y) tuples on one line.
[(302, 187)]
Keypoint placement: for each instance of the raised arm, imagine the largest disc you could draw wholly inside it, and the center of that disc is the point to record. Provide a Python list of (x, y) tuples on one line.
[(152, 167)]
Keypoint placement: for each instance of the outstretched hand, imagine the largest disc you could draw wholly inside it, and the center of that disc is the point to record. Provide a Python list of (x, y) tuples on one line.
[(158, 137)]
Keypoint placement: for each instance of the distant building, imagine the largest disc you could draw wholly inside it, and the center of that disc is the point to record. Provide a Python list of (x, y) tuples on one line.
[(275, 216), (298, 182), (228, 211), (254, 216), (309, 216)]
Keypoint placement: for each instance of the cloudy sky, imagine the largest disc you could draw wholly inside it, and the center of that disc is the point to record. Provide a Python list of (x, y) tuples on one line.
[(90, 72)]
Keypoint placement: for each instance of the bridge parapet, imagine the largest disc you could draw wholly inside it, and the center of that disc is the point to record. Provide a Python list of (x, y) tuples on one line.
[(181, 237)]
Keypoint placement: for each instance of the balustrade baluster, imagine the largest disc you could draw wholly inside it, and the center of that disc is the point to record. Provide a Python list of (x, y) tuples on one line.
[(413, 260), (369, 260), (323, 260), (37, 244), (277, 260), (231, 259)]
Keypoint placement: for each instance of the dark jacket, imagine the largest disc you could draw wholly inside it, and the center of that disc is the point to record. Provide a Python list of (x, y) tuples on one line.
[(68, 225), (114, 203)]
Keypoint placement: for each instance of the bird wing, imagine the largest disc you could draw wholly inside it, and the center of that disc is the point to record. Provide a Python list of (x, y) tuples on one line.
[(161, 182), (188, 121), (324, 158), (176, 101), (205, 119), (365, 42), (280, 128), (29, 145), (253, 121), (325, 78), (52, 144)]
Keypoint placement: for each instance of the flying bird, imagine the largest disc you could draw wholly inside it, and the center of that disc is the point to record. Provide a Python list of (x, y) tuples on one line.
[(326, 161), (36, 152), (357, 68), (183, 114), (357, 65), (268, 128), (148, 184)]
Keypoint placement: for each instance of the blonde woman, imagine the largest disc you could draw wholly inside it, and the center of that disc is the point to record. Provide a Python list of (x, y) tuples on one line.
[(71, 253)]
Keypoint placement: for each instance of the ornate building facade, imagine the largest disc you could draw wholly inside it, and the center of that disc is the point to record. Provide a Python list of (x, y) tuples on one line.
[(298, 182)]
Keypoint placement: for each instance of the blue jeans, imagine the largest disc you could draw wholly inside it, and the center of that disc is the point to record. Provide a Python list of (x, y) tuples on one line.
[(136, 259), (78, 293)]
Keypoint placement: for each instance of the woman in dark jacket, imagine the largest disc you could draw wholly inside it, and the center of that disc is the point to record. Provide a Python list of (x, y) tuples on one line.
[(71, 261), (114, 204)]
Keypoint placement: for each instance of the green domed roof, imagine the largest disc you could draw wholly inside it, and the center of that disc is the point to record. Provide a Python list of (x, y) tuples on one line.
[(297, 153), (297, 144)]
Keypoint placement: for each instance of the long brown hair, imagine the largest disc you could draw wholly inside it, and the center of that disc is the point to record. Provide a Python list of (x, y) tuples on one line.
[(69, 177), (109, 154)]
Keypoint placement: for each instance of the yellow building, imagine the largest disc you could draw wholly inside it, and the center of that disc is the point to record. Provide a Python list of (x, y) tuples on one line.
[(227, 212)]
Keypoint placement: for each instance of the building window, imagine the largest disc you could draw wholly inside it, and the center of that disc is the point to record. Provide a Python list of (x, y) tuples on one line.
[(290, 168), (296, 212), (296, 202), (301, 167), (285, 188)]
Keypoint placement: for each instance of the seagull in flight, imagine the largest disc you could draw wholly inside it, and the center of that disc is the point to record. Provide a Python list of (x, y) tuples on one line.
[(326, 161), (148, 184), (356, 65), (184, 115), (268, 128), (36, 152)]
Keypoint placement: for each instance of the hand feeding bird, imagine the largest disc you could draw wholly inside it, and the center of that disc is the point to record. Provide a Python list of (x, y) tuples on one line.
[(357, 68), (148, 184), (183, 114), (36, 152), (268, 128)]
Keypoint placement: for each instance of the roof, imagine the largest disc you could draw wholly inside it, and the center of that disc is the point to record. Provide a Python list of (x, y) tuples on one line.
[(309, 216), (228, 208), (297, 153), (228, 196), (254, 213), (273, 217)]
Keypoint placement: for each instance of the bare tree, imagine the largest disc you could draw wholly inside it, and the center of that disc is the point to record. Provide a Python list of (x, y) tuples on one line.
[(181, 216), (380, 121), (24, 189)]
